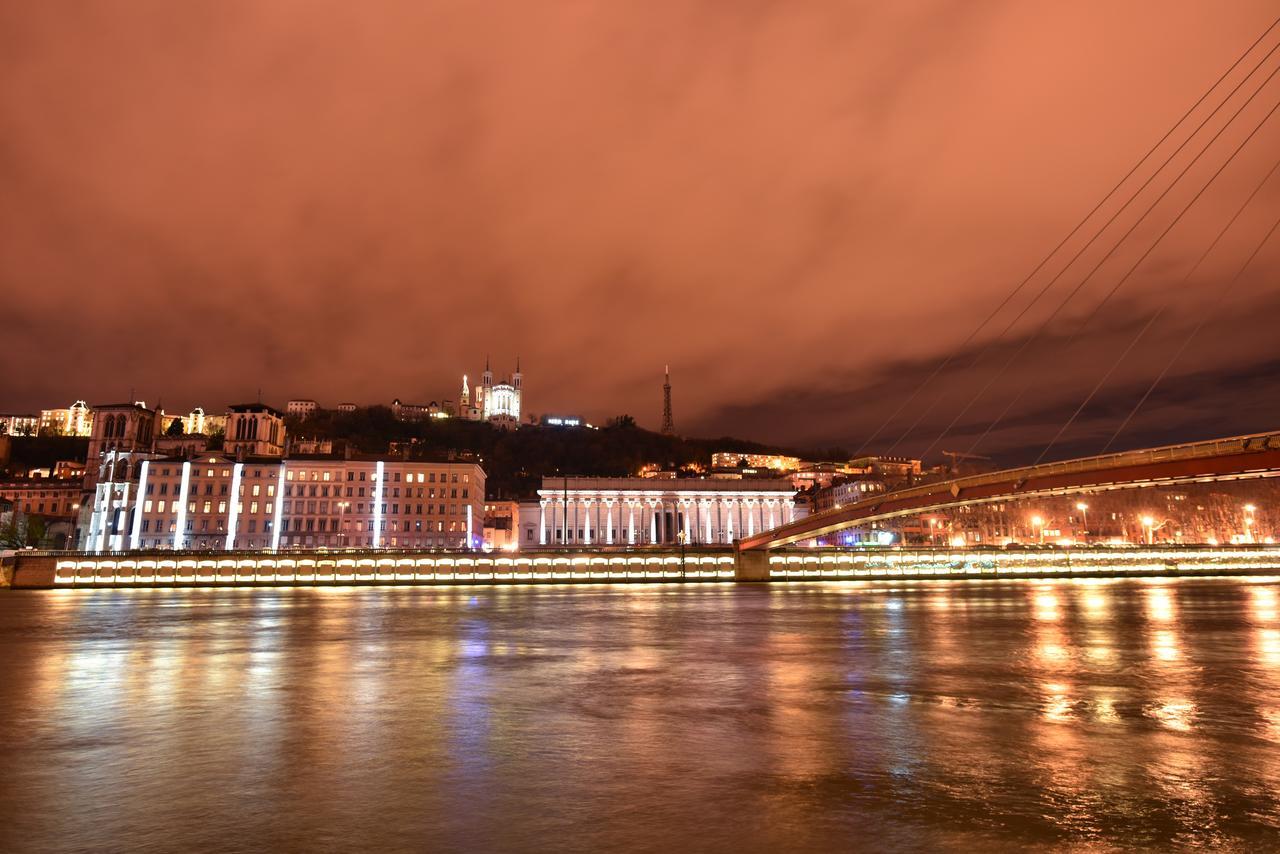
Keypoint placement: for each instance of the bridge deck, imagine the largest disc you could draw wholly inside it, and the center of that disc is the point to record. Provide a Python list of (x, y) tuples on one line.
[(1255, 455)]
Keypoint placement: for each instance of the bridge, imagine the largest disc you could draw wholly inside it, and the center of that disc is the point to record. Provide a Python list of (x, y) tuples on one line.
[(1235, 458)]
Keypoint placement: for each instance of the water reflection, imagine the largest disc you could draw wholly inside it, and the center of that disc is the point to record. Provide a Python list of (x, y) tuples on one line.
[(791, 717)]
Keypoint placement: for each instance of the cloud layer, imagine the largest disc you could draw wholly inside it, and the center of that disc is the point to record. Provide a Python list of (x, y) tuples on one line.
[(800, 206)]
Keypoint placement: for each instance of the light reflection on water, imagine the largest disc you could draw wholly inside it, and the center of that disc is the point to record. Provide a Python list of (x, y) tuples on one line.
[(722, 717)]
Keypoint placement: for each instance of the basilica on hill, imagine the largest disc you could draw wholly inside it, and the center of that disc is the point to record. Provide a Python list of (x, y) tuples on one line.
[(498, 403)]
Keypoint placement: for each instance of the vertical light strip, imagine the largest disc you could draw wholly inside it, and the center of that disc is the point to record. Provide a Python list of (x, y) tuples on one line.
[(178, 539), (377, 505), (117, 539), (542, 523), (586, 519), (470, 542), (136, 533), (102, 508), (233, 514), (275, 528)]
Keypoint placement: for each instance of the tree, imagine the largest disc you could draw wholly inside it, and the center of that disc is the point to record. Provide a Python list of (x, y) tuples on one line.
[(626, 422), (20, 531), (174, 429)]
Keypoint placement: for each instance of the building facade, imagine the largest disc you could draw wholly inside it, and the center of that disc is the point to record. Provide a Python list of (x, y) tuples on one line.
[(647, 511), (733, 459), (499, 403), (75, 420), (301, 408), (19, 425), (219, 501), (254, 430)]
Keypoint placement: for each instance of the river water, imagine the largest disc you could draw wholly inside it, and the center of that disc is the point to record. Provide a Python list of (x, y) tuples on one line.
[(783, 717)]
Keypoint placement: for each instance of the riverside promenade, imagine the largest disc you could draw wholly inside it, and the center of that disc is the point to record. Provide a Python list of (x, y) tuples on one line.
[(77, 570)]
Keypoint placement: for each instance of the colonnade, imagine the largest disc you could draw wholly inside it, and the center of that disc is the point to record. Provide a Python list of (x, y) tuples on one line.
[(594, 519)]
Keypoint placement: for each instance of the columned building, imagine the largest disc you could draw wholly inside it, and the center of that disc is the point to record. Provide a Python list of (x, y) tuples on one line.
[(582, 511)]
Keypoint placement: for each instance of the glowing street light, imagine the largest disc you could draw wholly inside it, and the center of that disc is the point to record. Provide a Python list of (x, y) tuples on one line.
[(1084, 519), (1037, 522), (1248, 522), (1149, 524)]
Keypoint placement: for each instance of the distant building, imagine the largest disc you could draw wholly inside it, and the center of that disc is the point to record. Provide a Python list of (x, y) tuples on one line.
[(19, 425), (47, 497), (198, 422), (733, 459), (819, 475), (643, 511), (498, 403), (254, 430), (347, 407), (418, 411), (501, 522), (847, 492), (890, 468), (301, 408), (75, 420)]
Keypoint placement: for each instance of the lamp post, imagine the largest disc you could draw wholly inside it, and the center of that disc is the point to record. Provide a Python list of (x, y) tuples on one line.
[(1149, 524), (1084, 519), (680, 538), (1037, 522), (1248, 522), (342, 523)]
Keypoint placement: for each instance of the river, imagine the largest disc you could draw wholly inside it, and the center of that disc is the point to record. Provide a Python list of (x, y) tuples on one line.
[(717, 717)]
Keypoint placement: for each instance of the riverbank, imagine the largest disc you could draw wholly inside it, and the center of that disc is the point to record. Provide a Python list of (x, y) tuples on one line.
[(258, 569)]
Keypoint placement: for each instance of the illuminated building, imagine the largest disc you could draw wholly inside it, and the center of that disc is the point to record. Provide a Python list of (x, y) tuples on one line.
[(301, 408), (255, 430), (75, 420), (733, 459), (890, 468), (847, 492), (122, 440), (220, 501), (19, 425), (498, 403), (501, 520), (346, 407), (416, 411), (197, 422), (37, 496), (642, 511)]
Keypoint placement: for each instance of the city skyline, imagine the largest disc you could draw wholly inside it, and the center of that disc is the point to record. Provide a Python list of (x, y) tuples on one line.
[(273, 242)]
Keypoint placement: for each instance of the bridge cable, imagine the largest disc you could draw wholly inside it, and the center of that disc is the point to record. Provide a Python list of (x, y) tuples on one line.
[(1194, 332), (1076, 290), (1026, 280), (1154, 317), (1098, 233)]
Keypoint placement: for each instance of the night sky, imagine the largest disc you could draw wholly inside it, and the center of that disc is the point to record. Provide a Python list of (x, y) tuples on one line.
[(802, 207)]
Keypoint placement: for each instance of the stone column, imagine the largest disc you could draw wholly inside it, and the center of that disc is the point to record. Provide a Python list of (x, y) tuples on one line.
[(542, 522), (586, 521)]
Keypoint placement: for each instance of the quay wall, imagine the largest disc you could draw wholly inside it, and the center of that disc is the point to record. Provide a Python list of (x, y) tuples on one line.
[(51, 570)]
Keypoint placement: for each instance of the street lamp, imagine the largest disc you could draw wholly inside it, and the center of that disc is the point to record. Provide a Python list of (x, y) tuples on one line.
[(342, 523), (1248, 522), (933, 532), (1149, 524), (1037, 522), (680, 538), (1084, 519)]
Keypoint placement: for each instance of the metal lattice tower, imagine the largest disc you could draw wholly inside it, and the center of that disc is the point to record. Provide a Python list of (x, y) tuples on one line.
[(668, 425)]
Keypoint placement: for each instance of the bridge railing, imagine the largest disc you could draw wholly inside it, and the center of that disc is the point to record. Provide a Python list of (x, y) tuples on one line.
[(1120, 459)]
